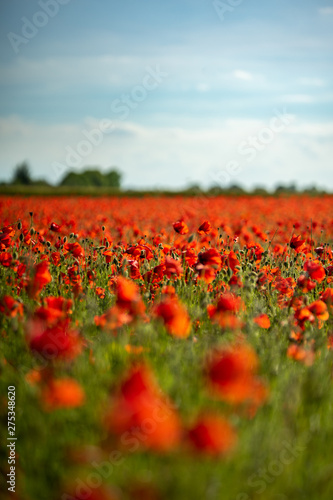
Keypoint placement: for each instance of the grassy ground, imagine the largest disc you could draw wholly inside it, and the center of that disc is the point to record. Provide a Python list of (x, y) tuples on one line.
[(284, 445)]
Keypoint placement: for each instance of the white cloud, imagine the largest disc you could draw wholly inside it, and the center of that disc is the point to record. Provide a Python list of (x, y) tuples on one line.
[(297, 98), (203, 87), (242, 75), (326, 11), (174, 156), (312, 82), (319, 130)]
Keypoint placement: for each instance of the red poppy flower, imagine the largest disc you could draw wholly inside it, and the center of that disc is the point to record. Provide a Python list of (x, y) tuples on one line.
[(298, 353), (128, 296), (262, 320), (134, 269), (231, 374), (41, 278), (155, 275), (100, 292), (233, 261), (224, 312), (211, 257), (212, 435), (319, 309), (327, 296), (6, 259), (6, 235), (175, 317), (315, 270), (172, 267), (305, 283), (56, 342), (329, 270), (54, 309), (207, 273), (140, 252), (297, 243), (169, 290), (113, 319), (128, 306), (205, 227), (62, 393), (180, 227), (190, 256), (10, 307), (229, 302), (55, 257), (74, 248), (141, 411)]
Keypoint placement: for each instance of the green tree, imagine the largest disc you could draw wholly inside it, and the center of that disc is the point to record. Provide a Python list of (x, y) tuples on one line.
[(92, 177), (22, 174), (113, 178)]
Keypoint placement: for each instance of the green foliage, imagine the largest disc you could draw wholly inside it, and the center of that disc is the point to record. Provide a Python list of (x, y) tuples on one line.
[(92, 177), (22, 175)]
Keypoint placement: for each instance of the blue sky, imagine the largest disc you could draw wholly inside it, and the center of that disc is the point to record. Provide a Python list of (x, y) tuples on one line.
[(171, 92)]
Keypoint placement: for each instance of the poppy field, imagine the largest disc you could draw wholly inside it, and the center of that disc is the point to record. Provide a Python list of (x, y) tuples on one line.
[(166, 347)]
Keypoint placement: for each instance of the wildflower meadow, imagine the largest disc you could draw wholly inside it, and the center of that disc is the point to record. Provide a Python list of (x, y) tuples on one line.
[(166, 347)]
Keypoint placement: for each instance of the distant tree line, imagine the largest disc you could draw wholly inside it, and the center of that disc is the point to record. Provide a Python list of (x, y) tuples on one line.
[(91, 177)]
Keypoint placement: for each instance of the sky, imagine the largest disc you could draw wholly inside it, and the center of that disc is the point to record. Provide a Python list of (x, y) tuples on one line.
[(172, 93)]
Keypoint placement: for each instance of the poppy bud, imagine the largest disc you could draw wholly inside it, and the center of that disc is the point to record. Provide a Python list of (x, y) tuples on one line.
[(320, 250)]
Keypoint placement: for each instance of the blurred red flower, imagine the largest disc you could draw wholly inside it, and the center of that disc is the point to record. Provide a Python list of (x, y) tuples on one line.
[(212, 435), (174, 316), (62, 393), (180, 227), (262, 320), (54, 342), (10, 307), (139, 410), (41, 278), (231, 374)]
